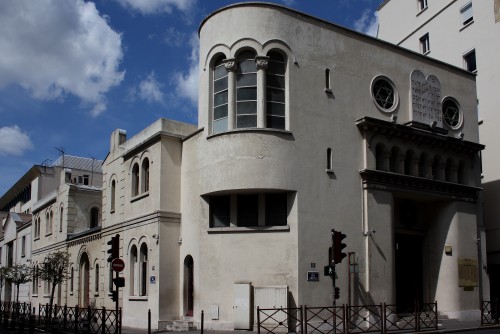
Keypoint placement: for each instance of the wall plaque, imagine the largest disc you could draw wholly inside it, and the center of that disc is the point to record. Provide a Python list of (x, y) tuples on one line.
[(467, 273), (426, 99)]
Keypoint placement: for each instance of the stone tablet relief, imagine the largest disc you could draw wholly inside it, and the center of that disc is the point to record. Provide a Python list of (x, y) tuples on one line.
[(425, 99)]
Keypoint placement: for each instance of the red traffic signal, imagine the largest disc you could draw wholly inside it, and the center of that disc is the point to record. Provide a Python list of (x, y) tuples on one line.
[(338, 246), (114, 248)]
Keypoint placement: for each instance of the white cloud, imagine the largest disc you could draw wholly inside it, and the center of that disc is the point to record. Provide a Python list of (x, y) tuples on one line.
[(149, 89), (174, 37), (13, 141), (187, 82), (53, 48), (157, 6), (367, 23)]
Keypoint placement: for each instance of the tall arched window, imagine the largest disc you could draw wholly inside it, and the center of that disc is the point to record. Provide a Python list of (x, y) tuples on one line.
[(275, 91), (143, 269), (35, 280), (135, 180), (145, 175), (94, 217), (113, 195), (133, 271), (246, 90), (220, 89)]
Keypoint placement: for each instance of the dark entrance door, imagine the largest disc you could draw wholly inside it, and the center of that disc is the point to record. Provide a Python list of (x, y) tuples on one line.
[(409, 272), (189, 285)]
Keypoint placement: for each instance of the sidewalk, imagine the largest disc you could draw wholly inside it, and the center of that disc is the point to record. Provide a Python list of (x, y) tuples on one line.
[(448, 326)]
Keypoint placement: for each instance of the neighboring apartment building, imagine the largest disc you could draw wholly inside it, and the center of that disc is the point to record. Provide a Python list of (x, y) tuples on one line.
[(464, 33), (15, 249)]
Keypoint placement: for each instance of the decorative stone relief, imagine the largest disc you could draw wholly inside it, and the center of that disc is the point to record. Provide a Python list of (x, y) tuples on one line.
[(261, 62), (230, 64), (426, 99)]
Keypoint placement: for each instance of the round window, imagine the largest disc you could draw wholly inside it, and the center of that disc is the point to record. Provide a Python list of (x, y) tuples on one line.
[(452, 114), (384, 94)]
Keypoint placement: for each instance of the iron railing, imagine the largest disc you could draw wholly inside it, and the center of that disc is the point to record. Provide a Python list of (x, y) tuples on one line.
[(489, 313)]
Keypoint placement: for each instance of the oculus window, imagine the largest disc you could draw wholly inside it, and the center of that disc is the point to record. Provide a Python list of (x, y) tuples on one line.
[(384, 94), (452, 115)]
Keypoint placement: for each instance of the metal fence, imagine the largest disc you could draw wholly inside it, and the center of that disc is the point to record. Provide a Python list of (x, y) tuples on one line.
[(346, 319), (489, 313)]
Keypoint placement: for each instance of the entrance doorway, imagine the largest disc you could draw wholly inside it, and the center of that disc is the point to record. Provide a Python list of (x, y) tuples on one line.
[(409, 272), (84, 281), (188, 286)]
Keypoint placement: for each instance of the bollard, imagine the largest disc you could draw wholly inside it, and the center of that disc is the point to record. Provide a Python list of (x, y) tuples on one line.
[(149, 321), (202, 320)]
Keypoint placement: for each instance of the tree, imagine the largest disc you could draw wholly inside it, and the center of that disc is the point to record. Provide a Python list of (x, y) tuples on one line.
[(19, 274), (3, 274), (54, 270)]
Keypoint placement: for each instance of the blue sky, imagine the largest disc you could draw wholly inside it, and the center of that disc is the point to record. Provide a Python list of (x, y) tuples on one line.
[(72, 71)]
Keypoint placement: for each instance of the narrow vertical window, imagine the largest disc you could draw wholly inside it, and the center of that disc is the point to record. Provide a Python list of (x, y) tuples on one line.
[(329, 159), (246, 91), (61, 215), (220, 89), (23, 246), (145, 175), (72, 280), (466, 14), (327, 80), (96, 281), (422, 4), (113, 195), (135, 180), (133, 271), (143, 270), (425, 44), (275, 91)]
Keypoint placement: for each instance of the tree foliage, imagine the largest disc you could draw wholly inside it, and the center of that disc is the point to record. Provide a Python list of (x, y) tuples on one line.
[(19, 274), (3, 275), (54, 270)]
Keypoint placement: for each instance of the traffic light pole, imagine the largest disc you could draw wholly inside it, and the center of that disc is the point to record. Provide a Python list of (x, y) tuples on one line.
[(117, 275), (334, 276)]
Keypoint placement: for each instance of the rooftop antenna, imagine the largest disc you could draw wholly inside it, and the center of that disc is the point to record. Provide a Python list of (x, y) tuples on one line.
[(62, 152)]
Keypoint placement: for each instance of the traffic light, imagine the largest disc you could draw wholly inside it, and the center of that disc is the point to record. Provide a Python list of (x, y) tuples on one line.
[(114, 245), (114, 295), (119, 282), (338, 247), (337, 293)]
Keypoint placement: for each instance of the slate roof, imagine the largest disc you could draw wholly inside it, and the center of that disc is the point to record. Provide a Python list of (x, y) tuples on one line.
[(73, 162)]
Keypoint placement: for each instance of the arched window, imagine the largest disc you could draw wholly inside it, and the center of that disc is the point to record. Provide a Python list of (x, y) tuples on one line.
[(380, 157), (423, 166), (275, 91), (143, 269), (96, 280), (113, 195), (246, 90), (135, 180), (145, 176), (220, 89), (35, 280), (394, 160), (94, 217), (409, 163), (133, 271)]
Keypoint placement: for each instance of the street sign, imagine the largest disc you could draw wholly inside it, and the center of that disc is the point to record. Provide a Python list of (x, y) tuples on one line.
[(313, 276), (329, 271), (117, 265)]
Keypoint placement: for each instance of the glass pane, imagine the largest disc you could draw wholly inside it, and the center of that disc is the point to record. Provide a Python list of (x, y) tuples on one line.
[(220, 125), (275, 109), (220, 112), (220, 72), (383, 94), (245, 108), (248, 210), (220, 98), (275, 122), (276, 68), (275, 95), (220, 84), (247, 55), (245, 94), (275, 81), (246, 66), (246, 80), (276, 209), (246, 121), (220, 211)]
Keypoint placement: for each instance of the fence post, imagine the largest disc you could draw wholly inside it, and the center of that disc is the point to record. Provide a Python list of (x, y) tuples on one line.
[(149, 321), (202, 320), (301, 311), (120, 328), (258, 320)]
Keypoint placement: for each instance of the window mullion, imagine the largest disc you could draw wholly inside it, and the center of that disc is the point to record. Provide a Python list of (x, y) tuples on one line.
[(261, 62), (230, 65)]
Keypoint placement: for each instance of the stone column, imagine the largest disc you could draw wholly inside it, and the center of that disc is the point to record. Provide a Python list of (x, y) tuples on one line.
[(261, 63), (231, 67)]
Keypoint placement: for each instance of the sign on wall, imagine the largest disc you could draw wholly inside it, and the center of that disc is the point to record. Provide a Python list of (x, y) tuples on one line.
[(467, 273), (313, 276), (426, 99)]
